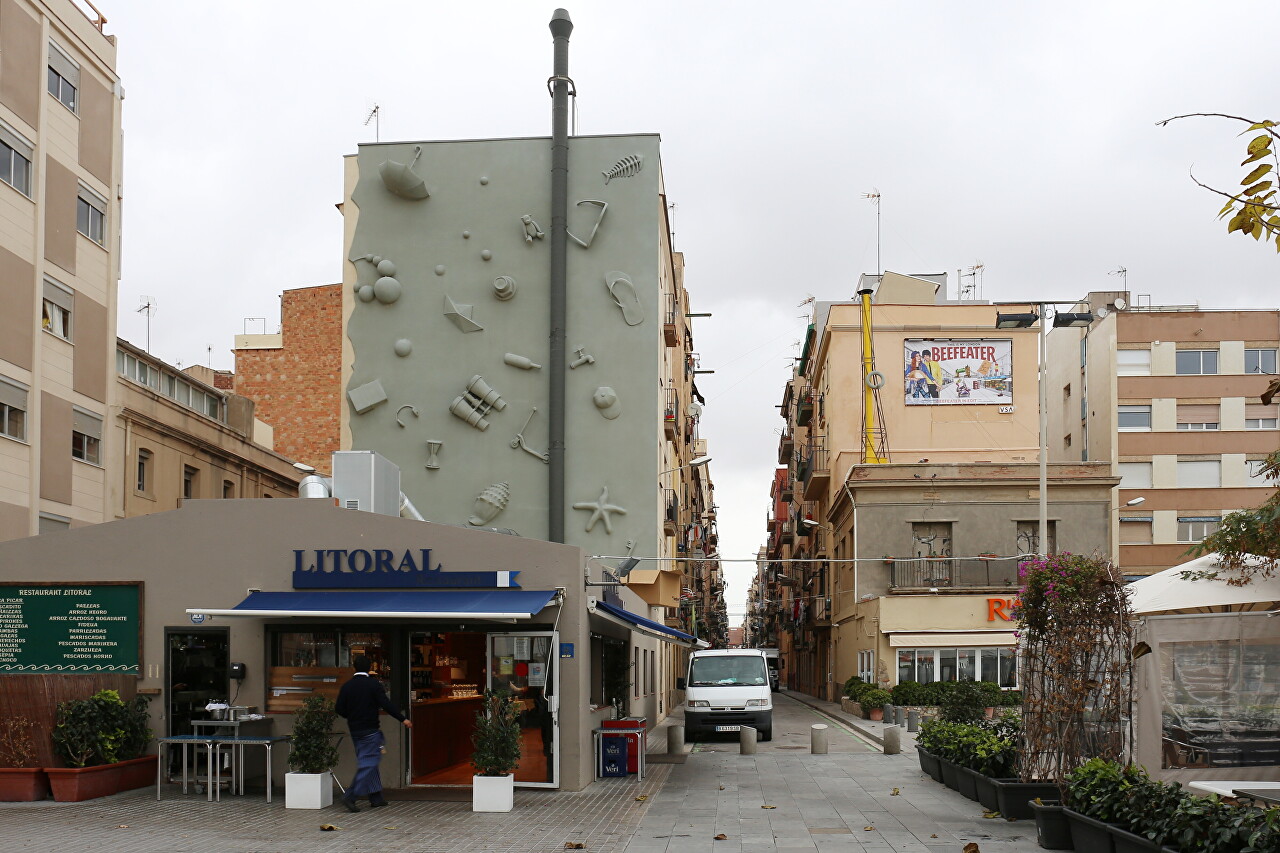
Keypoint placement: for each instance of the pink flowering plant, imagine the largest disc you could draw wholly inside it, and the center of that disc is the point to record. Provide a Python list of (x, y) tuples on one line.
[(1075, 636)]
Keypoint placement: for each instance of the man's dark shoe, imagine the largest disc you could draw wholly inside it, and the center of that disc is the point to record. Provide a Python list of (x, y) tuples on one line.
[(379, 804), (351, 804)]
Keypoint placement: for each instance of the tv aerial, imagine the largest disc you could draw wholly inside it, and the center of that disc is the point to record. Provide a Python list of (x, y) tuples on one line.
[(148, 309), (375, 116)]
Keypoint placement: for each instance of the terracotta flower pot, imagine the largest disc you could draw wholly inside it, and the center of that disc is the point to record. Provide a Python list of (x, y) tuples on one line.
[(137, 772), (23, 784), (875, 714), (74, 784)]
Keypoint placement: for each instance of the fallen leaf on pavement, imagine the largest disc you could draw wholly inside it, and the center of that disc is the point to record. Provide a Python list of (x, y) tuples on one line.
[(868, 829), (328, 827), (722, 787), (934, 835), (894, 792), (991, 814), (971, 847), (642, 798), (574, 845), (722, 837), (123, 826), (768, 807)]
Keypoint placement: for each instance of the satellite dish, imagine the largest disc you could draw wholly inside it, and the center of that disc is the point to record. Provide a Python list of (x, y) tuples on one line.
[(1120, 303), (695, 410), (1101, 312)]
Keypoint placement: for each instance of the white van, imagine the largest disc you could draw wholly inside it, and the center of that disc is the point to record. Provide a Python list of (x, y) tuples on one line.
[(726, 689)]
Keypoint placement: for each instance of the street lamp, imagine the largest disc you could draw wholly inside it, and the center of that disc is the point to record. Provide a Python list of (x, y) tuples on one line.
[(1026, 320), (697, 463), (1134, 501)]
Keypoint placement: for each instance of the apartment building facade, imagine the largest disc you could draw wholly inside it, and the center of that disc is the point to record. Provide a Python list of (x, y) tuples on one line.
[(1170, 396), (175, 437), (60, 179), (894, 539)]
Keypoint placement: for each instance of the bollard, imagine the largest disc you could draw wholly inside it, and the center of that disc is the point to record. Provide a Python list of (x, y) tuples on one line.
[(913, 720), (888, 714), (902, 716), (892, 741), (675, 740), (818, 739), (747, 740)]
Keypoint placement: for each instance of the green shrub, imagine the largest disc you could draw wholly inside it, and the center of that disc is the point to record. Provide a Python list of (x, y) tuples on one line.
[(1011, 698), (965, 703), (910, 693), (970, 745), (496, 739), (93, 731), (852, 685), (938, 692), (991, 693), (136, 723), (874, 698), (312, 750)]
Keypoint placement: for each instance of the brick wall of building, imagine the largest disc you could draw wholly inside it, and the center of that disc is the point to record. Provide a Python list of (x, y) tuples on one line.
[(297, 387)]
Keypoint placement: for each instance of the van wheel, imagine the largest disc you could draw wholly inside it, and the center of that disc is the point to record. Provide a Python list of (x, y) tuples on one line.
[(766, 734)]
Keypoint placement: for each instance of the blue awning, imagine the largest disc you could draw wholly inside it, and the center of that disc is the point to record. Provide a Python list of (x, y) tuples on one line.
[(504, 604), (648, 626)]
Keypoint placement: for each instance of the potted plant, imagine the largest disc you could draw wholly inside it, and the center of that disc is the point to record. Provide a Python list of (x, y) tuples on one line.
[(873, 702), (137, 768), (496, 742), (312, 754), (21, 781), (89, 736), (1052, 830)]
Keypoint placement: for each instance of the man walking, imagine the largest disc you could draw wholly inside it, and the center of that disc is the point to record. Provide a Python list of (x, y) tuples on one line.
[(359, 701)]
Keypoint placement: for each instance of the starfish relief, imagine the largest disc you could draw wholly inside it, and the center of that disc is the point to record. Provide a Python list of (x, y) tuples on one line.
[(600, 510)]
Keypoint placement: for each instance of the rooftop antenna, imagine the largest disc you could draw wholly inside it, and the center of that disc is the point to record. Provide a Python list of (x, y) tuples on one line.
[(375, 116), (1124, 276), (149, 309), (972, 290), (874, 198), (208, 348)]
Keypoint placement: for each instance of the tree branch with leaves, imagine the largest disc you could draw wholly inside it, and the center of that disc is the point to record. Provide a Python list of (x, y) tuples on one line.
[(1254, 210)]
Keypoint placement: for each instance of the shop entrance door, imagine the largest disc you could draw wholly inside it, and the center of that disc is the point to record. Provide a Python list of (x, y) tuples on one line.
[(196, 674), (525, 663)]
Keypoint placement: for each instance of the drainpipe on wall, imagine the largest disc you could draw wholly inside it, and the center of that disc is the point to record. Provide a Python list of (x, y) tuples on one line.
[(561, 27)]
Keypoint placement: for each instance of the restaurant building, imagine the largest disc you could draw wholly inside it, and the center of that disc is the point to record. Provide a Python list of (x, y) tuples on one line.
[(170, 604)]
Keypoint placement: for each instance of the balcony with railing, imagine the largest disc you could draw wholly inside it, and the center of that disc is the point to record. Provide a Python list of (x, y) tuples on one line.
[(928, 573), (819, 613), (671, 417), (817, 469), (786, 445), (671, 512), (670, 331), (805, 406)]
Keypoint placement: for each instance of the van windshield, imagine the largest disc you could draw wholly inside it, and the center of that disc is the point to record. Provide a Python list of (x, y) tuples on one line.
[(727, 671)]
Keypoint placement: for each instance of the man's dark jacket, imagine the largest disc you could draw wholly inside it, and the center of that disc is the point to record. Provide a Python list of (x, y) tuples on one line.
[(359, 701)]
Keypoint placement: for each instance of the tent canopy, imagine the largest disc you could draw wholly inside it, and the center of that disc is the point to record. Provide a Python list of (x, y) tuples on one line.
[(1168, 592)]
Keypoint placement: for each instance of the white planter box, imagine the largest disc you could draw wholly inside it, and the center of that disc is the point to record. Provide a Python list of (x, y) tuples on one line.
[(308, 790), (493, 793)]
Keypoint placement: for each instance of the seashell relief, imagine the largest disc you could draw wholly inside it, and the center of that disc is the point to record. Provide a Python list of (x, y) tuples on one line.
[(624, 168), (491, 501)]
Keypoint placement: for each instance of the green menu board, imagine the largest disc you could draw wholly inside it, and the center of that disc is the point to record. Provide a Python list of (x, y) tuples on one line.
[(69, 628)]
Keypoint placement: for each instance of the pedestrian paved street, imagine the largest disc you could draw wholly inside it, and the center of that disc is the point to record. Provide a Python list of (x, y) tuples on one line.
[(822, 802)]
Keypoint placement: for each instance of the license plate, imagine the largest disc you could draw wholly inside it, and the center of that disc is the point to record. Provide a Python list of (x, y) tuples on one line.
[(728, 728)]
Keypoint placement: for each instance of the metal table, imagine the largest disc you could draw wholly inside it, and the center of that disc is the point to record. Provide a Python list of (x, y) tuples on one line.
[(162, 752), (237, 743), (215, 729), (642, 746)]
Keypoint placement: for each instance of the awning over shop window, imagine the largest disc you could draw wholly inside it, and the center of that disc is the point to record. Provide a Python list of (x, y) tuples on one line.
[(496, 604), (957, 640), (640, 623)]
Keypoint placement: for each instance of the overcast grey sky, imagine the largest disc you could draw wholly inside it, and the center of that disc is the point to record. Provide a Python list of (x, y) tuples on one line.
[(1020, 135)]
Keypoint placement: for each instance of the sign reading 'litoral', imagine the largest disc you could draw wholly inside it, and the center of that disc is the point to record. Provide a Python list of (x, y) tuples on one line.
[(69, 628)]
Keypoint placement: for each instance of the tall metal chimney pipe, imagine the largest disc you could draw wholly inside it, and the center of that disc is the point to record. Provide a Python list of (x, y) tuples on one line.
[(561, 27)]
